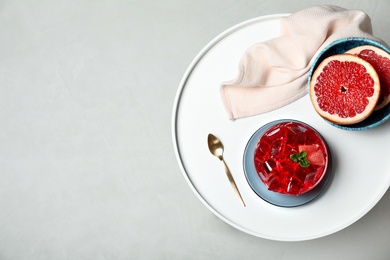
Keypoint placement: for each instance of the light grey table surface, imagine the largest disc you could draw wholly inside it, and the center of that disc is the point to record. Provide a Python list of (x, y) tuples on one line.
[(87, 164)]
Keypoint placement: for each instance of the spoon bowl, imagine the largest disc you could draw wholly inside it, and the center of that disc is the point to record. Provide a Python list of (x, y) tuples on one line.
[(215, 146)]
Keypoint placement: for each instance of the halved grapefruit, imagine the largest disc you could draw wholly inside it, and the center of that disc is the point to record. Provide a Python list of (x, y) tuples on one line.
[(344, 89), (380, 60)]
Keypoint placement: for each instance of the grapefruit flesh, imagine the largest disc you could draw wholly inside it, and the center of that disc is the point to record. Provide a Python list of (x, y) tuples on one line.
[(380, 60), (314, 154), (344, 89)]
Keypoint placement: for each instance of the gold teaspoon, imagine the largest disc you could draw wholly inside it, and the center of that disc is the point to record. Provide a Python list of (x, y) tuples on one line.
[(216, 148)]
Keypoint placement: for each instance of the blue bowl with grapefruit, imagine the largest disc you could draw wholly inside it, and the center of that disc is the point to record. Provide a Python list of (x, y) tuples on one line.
[(349, 83)]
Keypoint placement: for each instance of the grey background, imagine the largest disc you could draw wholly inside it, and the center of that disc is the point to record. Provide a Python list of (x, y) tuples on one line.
[(86, 159)]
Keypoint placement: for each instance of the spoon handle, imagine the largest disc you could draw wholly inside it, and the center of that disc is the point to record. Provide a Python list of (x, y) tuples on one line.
[(232, 182)]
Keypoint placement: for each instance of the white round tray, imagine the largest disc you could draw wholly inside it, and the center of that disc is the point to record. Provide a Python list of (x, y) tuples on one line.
[(361, 164)]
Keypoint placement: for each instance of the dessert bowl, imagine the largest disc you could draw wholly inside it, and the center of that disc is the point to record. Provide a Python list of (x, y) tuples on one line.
[(282, 194)]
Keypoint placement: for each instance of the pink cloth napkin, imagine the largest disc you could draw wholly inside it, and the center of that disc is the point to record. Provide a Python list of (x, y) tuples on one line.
[(274, 73)]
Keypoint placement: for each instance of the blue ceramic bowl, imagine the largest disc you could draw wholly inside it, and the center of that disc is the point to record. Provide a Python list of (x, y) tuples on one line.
[(275, 198), (339, 47)]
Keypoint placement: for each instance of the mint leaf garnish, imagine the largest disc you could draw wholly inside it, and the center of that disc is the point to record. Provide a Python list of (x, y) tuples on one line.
[(300, 158)]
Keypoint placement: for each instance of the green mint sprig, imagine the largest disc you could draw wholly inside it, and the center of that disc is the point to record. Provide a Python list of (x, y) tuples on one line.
[(300, 158)]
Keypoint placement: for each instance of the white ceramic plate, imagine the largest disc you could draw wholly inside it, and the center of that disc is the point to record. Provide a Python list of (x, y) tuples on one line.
[(360, 159)]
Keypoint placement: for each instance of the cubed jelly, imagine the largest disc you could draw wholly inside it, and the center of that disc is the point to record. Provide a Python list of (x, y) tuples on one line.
[(274, 165)]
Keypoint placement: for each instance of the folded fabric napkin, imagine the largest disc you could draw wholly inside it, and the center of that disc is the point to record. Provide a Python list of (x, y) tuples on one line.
[(274, 73)]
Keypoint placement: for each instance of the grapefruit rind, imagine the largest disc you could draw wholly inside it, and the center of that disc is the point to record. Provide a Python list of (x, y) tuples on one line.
[(372, 100), (384, 79)]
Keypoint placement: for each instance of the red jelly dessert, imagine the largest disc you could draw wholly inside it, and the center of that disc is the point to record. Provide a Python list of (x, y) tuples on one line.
[(291, 158)]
